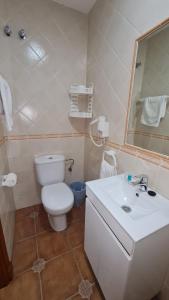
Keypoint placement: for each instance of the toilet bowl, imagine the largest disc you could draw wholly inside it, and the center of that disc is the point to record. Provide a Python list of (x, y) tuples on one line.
[(57, 198)]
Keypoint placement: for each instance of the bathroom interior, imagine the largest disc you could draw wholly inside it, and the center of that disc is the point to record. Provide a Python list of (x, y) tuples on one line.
[(84, 99)]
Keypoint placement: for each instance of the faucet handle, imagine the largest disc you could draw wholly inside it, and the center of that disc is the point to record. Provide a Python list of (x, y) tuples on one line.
[(144, 180)]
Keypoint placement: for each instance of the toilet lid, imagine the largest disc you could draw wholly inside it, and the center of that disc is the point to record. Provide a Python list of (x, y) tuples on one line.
[(57, 198)]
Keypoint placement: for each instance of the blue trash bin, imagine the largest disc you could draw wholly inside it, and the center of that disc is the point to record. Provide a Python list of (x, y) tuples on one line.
[(79, 190)]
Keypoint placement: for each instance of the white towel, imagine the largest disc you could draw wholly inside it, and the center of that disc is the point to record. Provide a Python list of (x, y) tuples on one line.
[(6, 102), (154, 108), (107, 169)]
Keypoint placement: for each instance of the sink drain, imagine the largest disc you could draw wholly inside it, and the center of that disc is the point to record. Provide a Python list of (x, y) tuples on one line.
[(126, 208)]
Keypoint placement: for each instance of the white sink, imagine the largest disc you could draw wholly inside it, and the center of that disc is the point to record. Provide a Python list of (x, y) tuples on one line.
[(128, 251), (148, 214), (124, 195)]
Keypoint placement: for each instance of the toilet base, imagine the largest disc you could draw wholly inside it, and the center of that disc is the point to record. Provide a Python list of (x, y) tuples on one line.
[(58, 223)]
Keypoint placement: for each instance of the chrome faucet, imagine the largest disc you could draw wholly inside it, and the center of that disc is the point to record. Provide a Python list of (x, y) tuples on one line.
[(143, 184), (144, 180)]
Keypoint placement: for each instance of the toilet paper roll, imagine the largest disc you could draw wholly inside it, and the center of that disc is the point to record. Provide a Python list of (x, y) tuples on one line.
[(9, 180)]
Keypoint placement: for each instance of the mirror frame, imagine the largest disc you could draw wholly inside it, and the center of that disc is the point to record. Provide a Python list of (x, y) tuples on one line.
[(140, 150)]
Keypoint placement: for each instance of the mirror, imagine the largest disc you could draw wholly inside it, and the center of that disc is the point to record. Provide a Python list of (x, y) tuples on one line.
[(148, 115)]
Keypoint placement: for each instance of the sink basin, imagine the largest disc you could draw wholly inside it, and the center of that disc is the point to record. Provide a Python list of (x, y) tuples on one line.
[(126, 238), (117, 202), (124, 195)]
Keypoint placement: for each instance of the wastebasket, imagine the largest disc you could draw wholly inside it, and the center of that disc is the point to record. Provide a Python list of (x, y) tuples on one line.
[(79, 190)]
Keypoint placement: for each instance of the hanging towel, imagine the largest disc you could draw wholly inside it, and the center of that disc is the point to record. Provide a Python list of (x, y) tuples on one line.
[(154, 108), (107, 169), (6, 99)]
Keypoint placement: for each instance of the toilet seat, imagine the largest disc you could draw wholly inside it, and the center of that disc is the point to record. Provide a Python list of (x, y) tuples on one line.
[(57, 198)]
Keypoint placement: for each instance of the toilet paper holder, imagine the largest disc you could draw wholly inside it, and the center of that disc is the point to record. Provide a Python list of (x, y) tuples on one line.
[(8, 180)]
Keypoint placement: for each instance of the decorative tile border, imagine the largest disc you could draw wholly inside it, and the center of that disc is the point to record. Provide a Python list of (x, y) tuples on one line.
[(146, 155), (149, 156), (2, 140), (41, 136), (155, 158), (153, 135), (44, 136)]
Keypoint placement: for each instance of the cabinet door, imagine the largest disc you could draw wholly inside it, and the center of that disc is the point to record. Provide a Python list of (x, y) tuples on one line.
[(91, 243), (109, 260)]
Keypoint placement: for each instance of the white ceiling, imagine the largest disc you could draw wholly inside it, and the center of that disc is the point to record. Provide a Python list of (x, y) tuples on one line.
[(83, 6)]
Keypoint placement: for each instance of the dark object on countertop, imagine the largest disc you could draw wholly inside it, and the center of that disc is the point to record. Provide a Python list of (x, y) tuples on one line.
[(152, 193)]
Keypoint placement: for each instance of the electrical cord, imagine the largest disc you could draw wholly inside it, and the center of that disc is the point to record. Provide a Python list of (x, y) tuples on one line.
[(92, 139)]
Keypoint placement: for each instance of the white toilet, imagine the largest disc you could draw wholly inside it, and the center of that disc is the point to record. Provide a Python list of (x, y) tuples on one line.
[(56, 196)]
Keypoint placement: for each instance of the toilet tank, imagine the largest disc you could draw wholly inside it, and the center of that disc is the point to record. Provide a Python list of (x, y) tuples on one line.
[(50, 169)]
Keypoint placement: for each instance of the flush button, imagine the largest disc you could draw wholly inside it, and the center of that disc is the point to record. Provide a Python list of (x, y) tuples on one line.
[(50, 157)]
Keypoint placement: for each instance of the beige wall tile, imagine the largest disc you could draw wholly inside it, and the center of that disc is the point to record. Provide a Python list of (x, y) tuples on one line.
[(41, 68)]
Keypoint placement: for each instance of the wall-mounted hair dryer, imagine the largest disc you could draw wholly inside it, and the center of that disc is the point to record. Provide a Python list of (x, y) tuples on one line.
[(102, 128)]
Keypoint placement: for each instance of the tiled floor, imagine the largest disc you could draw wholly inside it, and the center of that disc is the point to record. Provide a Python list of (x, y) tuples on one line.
[(49, 265)]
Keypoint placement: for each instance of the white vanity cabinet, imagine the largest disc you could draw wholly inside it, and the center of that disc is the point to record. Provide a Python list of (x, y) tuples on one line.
[(110, 262), (126, 268)]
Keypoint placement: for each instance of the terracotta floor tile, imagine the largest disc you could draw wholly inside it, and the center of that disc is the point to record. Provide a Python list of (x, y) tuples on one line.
[(24, 255), (24, 287), (52, 244), (42, 223), (76, 214), (83, 264), (39, 208), (83, 207), (75, 234), (97, 295), (23, 212), (60, 278), (24, 228)]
